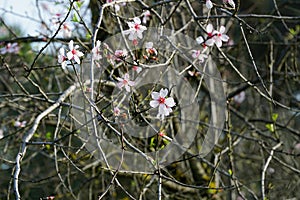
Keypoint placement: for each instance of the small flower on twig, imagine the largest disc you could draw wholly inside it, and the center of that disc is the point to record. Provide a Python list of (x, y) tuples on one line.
[(135, 30), (74, 53), (163, 103), (125, 82), (209, 4), (96, 51), (216, 37), (62, 59), (10, 48)]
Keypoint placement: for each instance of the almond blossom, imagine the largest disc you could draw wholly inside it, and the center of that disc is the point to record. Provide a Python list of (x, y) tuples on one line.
[(150, 49), (65, 27), (163, 103), (239, 98), (125, 82), (117, 111), (200, 54), (137, 68), (10, 48), (209, 4), (197, 54), (121, 54), (20, 124), (96, 51), (67, 31), (62, 59), (74, 53), (117, 6), (135, 29), (216, 37), (146, 17), (230, 2)]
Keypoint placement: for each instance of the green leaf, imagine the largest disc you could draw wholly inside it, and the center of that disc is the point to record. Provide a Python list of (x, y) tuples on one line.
[(48, 135), (274, 117), (79, 4), (270, 127), (75, 18), (88, 36)]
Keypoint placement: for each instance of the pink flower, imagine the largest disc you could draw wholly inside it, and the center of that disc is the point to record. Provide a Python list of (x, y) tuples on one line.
[(197, 54), (230, 2), (96, 51), (65, 27), (220, 36), (10, 48), (164, 104), (135, 29), (150, 49), (209, 4), (20, 124), (121, 54), (216, 37), (117, 111), (67, 32), (146, 17), (125, 82), (74, 54), (199, 40), (117, 7), (137, 68), (209, 31), (62, 59), (239, 98)]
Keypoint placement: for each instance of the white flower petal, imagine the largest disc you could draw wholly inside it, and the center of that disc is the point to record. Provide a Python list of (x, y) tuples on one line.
[(71, 45), (155, 95), (154, 103), (218, 42), (209, 28), (120, 84), (139, 34), (209, 4), (79, 54), (222, 29), (70, 55), (200, 40), (163, 92), (224, 37), (77, 60), (137, 20), (131, 83), (161, 109), (127, 87), (210, 42), (170, 102)]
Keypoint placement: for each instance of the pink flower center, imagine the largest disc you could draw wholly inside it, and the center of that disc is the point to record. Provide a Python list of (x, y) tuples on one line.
[(161, 100), (136, 26), (125, 82), (74, 51), (219, 34), (209, 35), (135, 42)]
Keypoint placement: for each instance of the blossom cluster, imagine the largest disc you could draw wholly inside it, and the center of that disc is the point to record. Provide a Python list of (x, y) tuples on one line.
[(74, 54), (10, 48), (209, 4), (163, 103), (135, 33), (214, 37)]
